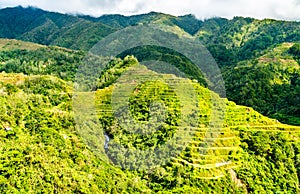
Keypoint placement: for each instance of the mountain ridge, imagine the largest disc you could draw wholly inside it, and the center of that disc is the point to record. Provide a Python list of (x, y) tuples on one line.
[(230, 41), (35, 17)]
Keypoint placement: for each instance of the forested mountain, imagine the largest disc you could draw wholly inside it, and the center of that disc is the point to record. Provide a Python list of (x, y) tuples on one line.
[(38, 120), (249, 35), (231, 43), (42, 149), (269, 83), (48, 28)]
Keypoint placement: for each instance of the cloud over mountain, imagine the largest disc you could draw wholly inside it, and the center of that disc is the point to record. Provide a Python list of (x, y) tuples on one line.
[(277, 9)]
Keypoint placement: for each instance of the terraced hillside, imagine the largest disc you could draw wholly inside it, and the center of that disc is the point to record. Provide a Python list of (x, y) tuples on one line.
[(223, 147), (225, 152), (231, 42), (36, 120)]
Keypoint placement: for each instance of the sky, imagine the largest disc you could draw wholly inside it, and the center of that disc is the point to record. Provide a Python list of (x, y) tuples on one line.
[(276, 9)]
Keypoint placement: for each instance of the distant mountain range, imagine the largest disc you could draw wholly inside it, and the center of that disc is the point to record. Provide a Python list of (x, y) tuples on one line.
[(82, 32), (235, 44)]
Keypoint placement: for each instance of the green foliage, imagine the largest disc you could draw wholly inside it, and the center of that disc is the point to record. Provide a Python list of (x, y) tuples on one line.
[(143, 109), (50, 28), (222, 55), (248, 143), (295, 51), (269, 166), (247, 153), (43, 61), (188, 23), (184, 65), (114, 70), (269, 84), (246, 37), (42, 152)]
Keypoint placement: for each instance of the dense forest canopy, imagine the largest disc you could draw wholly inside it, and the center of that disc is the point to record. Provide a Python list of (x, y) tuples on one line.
[(43, 151)]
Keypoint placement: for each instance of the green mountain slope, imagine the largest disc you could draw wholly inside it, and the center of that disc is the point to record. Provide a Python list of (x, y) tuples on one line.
[(40, 148), (38, 110), (248, 37), (230, 42), (49, 155), (247, 153), (120, 21), (34, 59), (244, 143), (269, 83), (50, 28), (11, 44)]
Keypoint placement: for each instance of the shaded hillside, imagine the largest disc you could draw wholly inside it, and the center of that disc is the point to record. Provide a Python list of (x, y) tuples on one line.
[(49, 28), (246, 38), (270, 83), (188, 23), (35, 59)]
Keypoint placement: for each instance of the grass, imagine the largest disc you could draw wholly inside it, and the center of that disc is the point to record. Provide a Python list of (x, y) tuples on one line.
[(11, 44)]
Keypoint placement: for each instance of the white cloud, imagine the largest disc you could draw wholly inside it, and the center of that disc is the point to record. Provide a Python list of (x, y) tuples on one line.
[(278, 9)]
